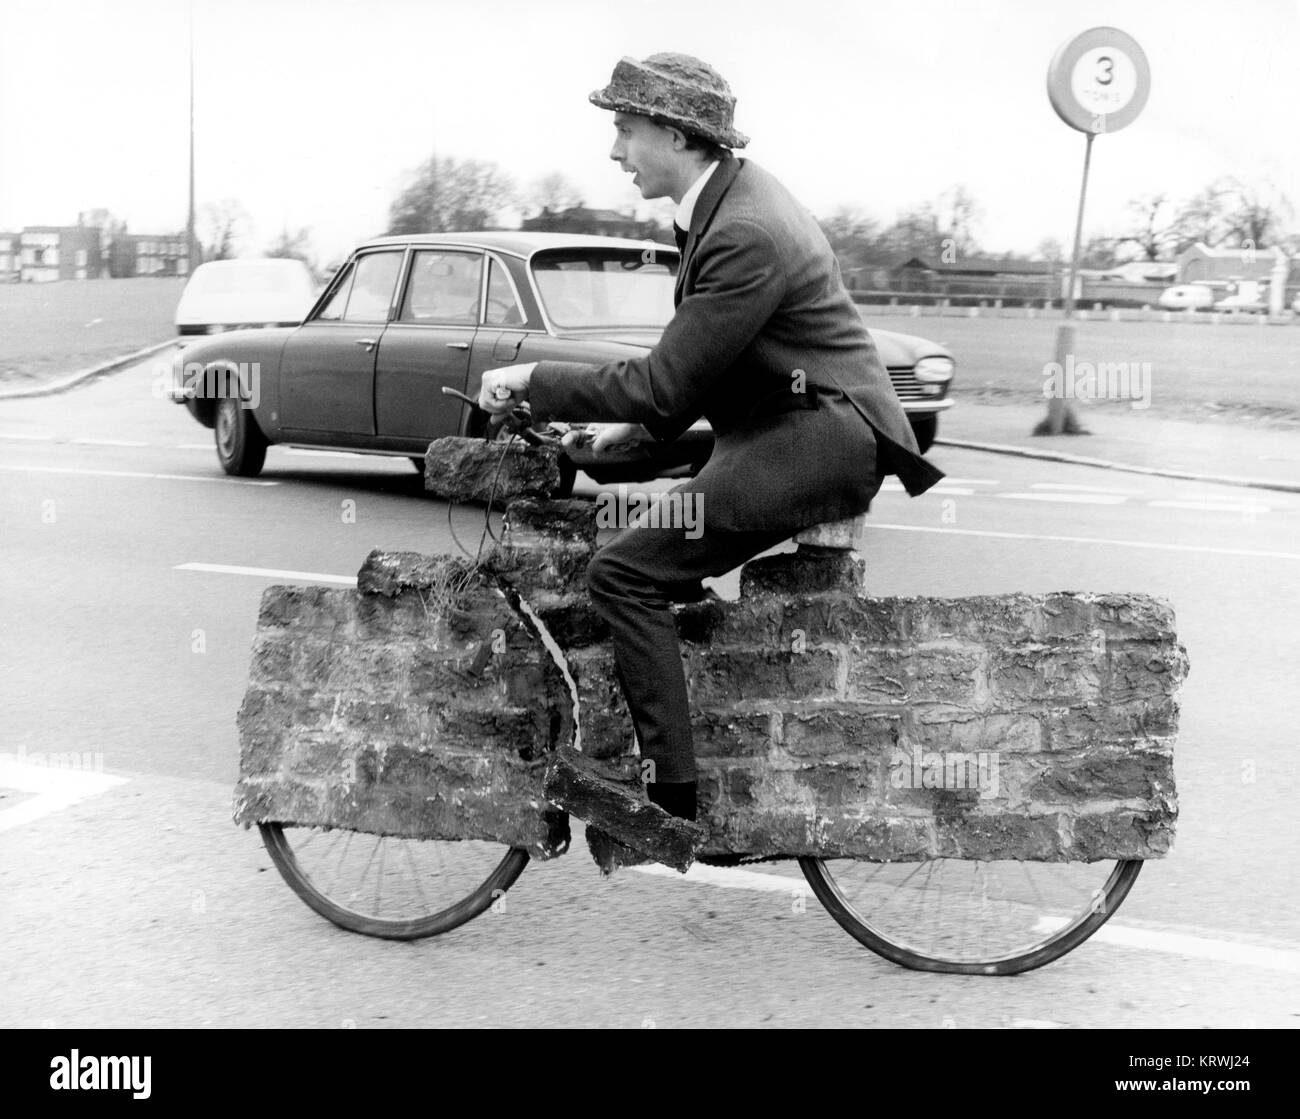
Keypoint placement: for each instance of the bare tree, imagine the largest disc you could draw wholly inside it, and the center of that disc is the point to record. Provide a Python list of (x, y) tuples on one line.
[(1154, 228), (1049, 248), (555, 192), (223, 224), (958, 214), (1254, 213), (446, 194), (293, 246), (1202, 218), (852, 236)]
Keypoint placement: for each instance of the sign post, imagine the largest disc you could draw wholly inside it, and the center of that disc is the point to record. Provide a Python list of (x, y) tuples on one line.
[(1097, 82)]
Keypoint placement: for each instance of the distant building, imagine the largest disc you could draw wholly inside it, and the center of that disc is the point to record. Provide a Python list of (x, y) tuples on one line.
[(973, 275), (10, 256), (602, 223), (149, 254), (59, 252), (1203, 265)]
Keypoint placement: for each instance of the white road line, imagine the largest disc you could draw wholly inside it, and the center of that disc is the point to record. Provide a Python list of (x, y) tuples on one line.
[(33, 438), (55, 787), (1174, 943), (1074, 498), (110, 442), (1212, 506), (948, 480), (268, 573), (952, 491), (734, 878), (193, 447), (1087, 540), (326, 454), (135, 474), (1080, 489), (1183, 944)]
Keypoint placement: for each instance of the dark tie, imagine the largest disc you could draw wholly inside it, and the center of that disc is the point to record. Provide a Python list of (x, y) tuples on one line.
[(680, 234)]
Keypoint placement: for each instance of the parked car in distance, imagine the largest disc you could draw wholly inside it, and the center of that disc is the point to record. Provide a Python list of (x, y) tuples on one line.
[(1248, 300), (233, 294), (1182, 297), (406, 316)]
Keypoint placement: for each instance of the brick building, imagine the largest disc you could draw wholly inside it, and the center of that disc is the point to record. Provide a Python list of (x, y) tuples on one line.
[(59, 252)]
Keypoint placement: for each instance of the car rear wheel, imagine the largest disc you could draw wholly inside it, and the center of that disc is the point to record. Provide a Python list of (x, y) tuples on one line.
[(925, 428), (241, 446)]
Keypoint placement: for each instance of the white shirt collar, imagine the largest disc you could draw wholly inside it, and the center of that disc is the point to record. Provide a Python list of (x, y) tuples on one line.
[(686, 208)]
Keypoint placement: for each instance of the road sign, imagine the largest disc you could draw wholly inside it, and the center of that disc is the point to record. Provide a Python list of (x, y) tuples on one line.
[(1099, 81)]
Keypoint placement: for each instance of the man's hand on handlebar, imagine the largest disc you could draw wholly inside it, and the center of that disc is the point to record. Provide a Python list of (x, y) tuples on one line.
[(606, 437), (503, 390)]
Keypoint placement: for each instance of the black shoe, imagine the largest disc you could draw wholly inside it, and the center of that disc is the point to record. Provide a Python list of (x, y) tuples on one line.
[(617, 807), (677, 798)]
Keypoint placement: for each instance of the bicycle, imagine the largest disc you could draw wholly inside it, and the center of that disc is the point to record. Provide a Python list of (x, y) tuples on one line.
[(998, 917)]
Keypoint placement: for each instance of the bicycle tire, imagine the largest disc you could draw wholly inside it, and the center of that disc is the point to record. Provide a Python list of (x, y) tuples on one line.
[(426, 918), (914, 951)]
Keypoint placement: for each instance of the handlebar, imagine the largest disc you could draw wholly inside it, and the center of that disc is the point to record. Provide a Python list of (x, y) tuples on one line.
[(519, 420)]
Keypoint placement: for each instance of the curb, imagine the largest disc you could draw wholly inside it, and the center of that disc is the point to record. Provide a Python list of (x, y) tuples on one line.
[(84, 375), (1107, 464)]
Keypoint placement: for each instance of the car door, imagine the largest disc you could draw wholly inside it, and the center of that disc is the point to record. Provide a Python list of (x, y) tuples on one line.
[(327, 377), (427, 346)]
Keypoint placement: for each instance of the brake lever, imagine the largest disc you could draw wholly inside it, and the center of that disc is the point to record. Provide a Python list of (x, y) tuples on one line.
[(519, 419)]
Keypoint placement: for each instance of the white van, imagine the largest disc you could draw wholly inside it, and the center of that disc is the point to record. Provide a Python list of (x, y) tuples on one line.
[(230, 294)]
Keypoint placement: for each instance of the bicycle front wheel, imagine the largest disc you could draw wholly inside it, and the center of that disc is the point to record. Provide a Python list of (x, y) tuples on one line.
[(399, 889), (967, 917)]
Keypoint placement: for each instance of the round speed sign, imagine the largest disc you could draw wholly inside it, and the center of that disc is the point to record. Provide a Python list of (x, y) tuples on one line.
[(1099, 81)]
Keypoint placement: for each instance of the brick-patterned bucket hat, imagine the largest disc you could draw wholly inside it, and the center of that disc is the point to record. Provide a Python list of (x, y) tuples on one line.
[(674, 89)]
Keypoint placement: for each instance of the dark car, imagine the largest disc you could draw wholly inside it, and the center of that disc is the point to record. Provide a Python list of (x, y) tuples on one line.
[(406, 316)]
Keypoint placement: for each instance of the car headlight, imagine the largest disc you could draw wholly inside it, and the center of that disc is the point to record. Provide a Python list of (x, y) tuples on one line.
[(934, 370)]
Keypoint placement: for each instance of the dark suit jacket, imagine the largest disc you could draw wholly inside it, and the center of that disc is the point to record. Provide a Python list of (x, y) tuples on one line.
[(761, 314)]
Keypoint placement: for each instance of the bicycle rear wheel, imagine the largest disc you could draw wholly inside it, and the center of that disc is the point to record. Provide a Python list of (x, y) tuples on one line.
[(399, 889), (967, 917)]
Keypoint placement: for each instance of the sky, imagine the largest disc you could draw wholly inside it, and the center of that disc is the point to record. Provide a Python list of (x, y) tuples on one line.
[(311, 113)]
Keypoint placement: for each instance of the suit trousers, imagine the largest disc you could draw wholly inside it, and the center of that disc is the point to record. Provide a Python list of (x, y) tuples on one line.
[(634, 580)]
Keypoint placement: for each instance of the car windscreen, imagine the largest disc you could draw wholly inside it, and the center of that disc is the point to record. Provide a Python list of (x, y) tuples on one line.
[(604, 288)]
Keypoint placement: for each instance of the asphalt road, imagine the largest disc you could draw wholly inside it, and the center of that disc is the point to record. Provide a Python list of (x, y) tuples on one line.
[(132, 899)]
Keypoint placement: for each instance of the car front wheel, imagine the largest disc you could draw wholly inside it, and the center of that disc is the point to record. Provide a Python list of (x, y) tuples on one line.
[(925, 428), (241, 446)]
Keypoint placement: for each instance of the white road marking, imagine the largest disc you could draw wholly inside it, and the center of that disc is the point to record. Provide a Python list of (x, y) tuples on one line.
[(1198, 548), (326, 454), (1184, 944), (111, 442), (135, 474), (949, 480), (55, 787), (268, 573), (1175, 943), (33, 438), (193, 447), (1074, 498), (1080, 489), (952, 491), (1203, 506), (733, 878)]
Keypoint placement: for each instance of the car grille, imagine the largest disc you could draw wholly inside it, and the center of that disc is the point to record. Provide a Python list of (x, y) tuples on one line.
[(905, 383)]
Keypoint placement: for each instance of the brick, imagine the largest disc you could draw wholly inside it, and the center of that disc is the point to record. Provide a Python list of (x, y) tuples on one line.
[(804, 571), (1104, 773), (1145, 671), (528, 519), (1056, 671), (721, 675), (459, 469)]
